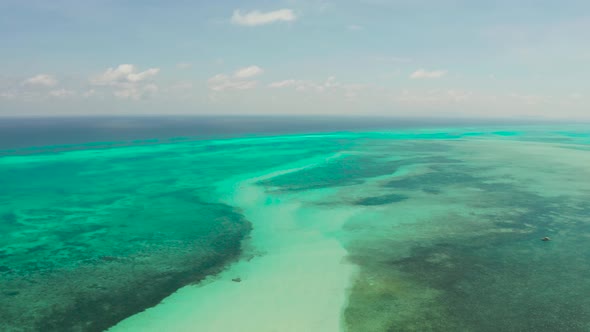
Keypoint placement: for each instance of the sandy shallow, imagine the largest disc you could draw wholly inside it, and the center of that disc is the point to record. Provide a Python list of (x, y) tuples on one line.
[(294, 276)]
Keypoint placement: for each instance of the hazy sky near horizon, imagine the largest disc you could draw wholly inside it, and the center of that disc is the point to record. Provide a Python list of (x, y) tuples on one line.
[(401, 57)]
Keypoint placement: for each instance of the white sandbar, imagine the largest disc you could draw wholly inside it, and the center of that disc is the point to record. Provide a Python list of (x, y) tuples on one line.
[(299, 280)]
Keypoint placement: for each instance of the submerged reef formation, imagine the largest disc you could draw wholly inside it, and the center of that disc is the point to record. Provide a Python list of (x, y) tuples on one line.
[(91, 236), (89, 277), (445, 233), (438, 231)]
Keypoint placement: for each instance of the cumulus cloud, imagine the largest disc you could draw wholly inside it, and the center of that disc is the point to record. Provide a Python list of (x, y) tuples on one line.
[(303, 85), (136, 92), (328, 88), (127, 81), (248, 72), (239, 80), (133, 77), (423, 73), (222, 82), (255, 18), (113, 75), (61, 93), (282, 84), (41, 80), (125, 73)]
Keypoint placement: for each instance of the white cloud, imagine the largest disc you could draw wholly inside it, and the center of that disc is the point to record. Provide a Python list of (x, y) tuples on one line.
[(422, 73), (223, 82), (61, 93), (114, 75), (239, 80), (303, 85), (282, 84), (143, 75), (354, 27), (127, 81), (248, 72), (329, 90), (136, 92), (41, 80), (256, 17), (124, 73)]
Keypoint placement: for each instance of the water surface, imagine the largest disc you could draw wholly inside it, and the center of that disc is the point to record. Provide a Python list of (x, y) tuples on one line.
[(404, 229)]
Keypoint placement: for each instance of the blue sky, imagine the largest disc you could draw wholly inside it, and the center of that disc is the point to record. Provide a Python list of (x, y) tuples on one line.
[(364, 57)]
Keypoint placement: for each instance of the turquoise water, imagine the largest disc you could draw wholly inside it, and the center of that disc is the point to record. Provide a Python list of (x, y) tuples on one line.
[(444, 225)]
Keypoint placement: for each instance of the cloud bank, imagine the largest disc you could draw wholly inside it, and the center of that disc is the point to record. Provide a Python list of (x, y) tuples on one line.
[(423, 73), (41, 80), (127, 81), (255, 18), (241, 79), (248, 72)]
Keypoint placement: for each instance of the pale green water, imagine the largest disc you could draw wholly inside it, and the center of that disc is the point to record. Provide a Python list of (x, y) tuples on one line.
[(443, 225)]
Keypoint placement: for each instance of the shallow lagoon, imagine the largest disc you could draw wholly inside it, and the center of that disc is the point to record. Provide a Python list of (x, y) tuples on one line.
[(415, 230)]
